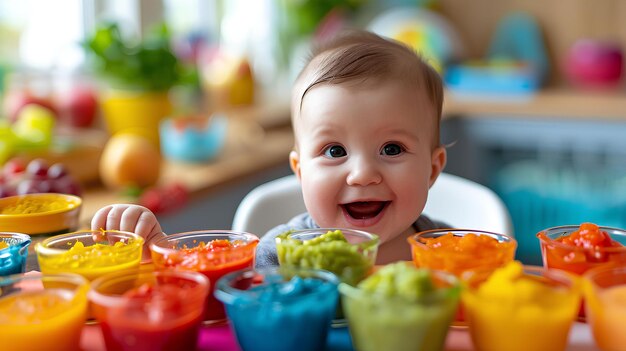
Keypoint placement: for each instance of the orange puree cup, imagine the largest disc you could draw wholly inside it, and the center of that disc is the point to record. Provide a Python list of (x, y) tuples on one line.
[(90, 253), (521, 308), (42, 311), (149, 310), (461, 251), (213, 253), (605, 296)]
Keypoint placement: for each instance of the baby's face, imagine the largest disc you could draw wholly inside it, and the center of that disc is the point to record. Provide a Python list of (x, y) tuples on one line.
[(364, 157)]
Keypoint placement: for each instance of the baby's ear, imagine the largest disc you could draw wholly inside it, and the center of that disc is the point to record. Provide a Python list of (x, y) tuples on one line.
[(294, 162), (438, 160)]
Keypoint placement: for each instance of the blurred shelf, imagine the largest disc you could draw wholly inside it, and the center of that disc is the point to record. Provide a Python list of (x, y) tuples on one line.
[(551, 102)]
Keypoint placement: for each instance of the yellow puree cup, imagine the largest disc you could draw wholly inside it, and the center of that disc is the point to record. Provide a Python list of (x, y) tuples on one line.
[(521, 308), (605, 306), (42, 311), (90, 253)]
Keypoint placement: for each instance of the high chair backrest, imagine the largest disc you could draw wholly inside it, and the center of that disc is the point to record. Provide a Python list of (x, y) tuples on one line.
[(457, 201)]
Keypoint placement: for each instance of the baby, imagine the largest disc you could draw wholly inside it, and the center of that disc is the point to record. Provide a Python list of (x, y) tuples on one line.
[(365, 112)]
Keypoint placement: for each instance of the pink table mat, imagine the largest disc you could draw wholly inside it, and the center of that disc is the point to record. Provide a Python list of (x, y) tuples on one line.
[(221, 338), (216, 338)]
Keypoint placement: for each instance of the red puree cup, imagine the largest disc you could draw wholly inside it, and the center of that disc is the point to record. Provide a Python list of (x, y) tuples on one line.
[(213, 253), (149, 310), (576, 259)]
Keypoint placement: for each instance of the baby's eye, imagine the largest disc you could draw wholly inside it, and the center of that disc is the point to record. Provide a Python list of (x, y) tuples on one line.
[(391, 149), (335, 151)]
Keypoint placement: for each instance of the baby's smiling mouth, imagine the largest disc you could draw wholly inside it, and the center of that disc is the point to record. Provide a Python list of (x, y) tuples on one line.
[(364, 209)]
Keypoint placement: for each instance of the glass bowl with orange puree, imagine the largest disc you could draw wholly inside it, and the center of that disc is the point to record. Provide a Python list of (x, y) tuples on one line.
[(42, 311), (460, 250)]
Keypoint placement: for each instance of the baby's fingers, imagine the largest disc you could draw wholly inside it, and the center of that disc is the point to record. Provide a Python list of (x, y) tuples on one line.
[(99, 220)]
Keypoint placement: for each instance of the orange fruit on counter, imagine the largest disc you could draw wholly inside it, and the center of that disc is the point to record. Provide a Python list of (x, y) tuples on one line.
[(129, 160)]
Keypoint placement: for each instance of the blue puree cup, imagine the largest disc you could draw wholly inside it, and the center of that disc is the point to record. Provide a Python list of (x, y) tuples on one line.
[(279, 308), (13, 253)]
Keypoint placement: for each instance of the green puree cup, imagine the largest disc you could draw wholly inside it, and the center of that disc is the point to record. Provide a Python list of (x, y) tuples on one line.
[(408, 309), (349, 253)]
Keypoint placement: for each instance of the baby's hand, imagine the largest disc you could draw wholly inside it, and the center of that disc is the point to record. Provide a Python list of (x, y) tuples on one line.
[(130, 218)]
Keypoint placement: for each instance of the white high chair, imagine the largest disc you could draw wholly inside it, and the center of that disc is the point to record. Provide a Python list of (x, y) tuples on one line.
[(457, 201)]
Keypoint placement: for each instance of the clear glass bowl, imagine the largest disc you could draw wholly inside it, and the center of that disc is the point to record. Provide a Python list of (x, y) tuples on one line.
[(605, 305), (213, 253), (274, 302), (150, 310), (13, 257), (351, 260), (575, 259), (462, 256), (379, 322), (43, 311), (90, 253)]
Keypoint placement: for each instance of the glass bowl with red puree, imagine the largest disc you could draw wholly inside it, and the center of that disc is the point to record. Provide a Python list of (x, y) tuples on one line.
[(577, 249), (149, 310), (213, 253)]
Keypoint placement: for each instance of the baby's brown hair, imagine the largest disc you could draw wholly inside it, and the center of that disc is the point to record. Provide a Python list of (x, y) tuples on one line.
[(361, 57)]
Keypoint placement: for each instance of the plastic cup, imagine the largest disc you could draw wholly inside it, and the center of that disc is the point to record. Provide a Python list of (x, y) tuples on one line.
[(605, 296), (90, 253), (395, 323), (42, 311), (522, 315), (279, 308), (149, 310), (351, 261), (461, 259), (213, 253), (13, 256), (576, 259)]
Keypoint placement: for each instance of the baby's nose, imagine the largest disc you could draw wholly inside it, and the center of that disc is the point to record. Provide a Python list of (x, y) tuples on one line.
[(364, 172)]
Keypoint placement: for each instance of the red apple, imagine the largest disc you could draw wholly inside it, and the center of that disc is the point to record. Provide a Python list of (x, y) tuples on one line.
[(78, 107), (15, 100)]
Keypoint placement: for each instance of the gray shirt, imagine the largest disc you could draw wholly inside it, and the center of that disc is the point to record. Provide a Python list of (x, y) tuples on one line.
[(266, 250)]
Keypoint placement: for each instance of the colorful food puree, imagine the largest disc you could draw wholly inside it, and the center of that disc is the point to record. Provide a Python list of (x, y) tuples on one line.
[(606, 313), (400, 308), (151, 317), (50, 319), (95, 260), (214, 259), (514, 310), (330, 251), (28, 206), (12, 258), (275, 314), (582, 249), (460, 253)]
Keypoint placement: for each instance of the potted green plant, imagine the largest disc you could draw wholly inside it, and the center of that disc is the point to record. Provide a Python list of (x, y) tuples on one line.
[(138, 74)]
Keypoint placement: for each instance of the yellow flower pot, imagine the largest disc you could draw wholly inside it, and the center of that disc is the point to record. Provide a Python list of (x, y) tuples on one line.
[(136, 112)]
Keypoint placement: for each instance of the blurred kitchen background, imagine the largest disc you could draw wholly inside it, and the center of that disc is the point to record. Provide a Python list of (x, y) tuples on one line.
[(535, 106)]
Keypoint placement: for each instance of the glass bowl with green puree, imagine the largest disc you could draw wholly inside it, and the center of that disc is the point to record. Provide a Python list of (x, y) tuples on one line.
[(349, 253), (401, 308)]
